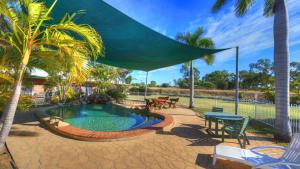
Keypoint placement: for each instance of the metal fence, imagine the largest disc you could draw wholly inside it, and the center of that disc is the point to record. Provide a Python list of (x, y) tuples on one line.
[(261, 111)]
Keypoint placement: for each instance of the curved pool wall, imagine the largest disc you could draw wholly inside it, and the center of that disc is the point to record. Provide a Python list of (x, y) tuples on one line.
[(85, 133), (106, 118)]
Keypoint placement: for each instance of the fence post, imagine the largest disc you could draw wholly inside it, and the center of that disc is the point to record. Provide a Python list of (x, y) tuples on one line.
[(298, 117), (255, 109), (216, 101), (255, 105)]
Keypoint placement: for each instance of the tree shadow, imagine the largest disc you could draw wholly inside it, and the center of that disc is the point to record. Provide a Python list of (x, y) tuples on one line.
[(260, 138), (22, 133), (192, 133), (25, 118), (177, 114)]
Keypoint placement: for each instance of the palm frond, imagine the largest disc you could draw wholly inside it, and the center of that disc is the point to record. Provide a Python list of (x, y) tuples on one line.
[(209, 59), (206, 43), (196, 39), (183, 37), (242, 6), (62, 50), (269, 8), (86, 33), (218, 5), (36, 12), (5, 75), (197, 35)]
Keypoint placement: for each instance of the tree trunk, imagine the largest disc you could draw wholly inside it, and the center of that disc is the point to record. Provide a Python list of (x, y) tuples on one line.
[(11, 107), (191, 85), (281, 69)]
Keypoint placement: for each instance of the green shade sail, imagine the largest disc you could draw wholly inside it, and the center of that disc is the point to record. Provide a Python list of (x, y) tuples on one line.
[(129, 44)]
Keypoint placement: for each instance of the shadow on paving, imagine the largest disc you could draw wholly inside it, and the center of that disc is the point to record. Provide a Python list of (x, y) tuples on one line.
[(192, 133), (28, 119), (22, 133), (176, 114), (260, 138), (25, 118)]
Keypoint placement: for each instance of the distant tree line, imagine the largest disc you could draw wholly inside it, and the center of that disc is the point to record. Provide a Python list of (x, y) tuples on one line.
[(260, 76)]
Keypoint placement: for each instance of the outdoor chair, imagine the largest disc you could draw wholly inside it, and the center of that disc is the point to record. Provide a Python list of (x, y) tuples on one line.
[(149, 104), (159, 103), (173, 102), (217, 109), (255, 159), (236, 128), (214, 109), (164, 98)]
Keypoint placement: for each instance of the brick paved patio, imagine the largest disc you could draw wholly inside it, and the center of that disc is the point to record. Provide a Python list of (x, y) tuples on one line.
[(185, 145)]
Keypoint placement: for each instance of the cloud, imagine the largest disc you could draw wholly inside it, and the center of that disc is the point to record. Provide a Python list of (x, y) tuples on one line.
[(252, 33), (160, 30)]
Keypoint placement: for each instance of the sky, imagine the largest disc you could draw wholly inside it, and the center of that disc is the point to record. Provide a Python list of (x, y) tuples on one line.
[(253, 33)]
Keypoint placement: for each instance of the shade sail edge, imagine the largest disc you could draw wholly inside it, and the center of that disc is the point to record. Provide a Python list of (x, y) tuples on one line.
[(128, 43)]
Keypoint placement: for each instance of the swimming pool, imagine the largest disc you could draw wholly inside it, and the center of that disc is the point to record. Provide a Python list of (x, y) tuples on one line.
[(104, 118)]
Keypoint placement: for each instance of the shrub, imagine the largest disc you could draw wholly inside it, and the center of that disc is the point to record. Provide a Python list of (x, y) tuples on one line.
[(118, 93), (55, 99), (269, 95), (71, 95), (241, 95), (99, 98), (295, 99), (165, 85), (137, 89), (24, 104), (208, 85)]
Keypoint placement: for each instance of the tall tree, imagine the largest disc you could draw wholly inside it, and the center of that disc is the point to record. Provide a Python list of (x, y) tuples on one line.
[(122, 74), (263, 69), (128, 79), (196, 39), (31, 38), (222, 79), (152, 83), (278, 9)]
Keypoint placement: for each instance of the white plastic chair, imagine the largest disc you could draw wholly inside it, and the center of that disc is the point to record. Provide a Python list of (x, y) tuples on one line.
[(290, 159)]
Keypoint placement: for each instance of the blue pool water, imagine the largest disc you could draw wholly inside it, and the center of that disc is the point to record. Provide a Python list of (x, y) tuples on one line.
[(103, 117)]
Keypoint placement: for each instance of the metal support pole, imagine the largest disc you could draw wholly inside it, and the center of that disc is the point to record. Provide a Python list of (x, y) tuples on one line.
[(191, 85), (237, 81), (146, 85)]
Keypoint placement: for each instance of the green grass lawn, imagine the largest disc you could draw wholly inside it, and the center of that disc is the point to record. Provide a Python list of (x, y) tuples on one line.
[(265, 112)]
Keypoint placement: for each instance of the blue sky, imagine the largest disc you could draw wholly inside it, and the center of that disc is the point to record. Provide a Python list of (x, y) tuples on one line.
[(253, 33)]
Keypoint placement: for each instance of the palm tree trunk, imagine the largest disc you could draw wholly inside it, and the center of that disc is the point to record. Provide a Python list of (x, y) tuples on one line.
[(11, 107), (191, 85), (282, 74)]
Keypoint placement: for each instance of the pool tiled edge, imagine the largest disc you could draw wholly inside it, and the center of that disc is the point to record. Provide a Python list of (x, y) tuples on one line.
[(88, 135)]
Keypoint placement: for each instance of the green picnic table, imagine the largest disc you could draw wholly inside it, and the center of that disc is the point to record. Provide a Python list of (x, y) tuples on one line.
[(216, 116)]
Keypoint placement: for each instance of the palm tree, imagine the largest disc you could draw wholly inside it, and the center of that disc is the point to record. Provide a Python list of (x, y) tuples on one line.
[(277, 8), (65, 72), (33, 38), (196, 39)]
